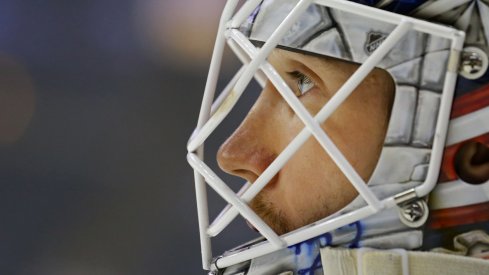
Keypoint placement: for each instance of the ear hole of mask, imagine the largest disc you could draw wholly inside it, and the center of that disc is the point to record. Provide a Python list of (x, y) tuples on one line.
[(472, 162)]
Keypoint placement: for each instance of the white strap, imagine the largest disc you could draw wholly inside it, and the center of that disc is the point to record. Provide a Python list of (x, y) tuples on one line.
[(339, 261)]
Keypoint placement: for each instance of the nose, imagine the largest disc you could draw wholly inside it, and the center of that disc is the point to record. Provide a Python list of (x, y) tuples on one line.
[(252, 146)]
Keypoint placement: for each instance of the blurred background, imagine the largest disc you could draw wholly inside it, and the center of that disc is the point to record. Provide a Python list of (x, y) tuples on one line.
[(97, 101)]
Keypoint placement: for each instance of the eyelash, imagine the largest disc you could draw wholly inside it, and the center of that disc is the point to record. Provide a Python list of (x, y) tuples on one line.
[(302, 80)]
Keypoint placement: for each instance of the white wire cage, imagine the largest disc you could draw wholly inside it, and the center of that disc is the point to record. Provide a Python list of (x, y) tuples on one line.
[(255, 65)]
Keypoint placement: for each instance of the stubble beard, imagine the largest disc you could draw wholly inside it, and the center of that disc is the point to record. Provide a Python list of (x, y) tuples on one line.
[(272, 216), (277, 219)]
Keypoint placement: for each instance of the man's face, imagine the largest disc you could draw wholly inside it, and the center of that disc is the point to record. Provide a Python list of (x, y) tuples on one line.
[(310, 186)]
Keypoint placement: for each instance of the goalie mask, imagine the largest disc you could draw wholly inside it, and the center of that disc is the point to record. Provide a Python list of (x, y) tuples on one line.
[(368, 91)]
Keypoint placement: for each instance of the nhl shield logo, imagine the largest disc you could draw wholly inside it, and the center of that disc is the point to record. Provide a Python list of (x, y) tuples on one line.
[(374, 39)]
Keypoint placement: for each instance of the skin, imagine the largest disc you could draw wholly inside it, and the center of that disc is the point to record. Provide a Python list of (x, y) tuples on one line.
[(310, 186)]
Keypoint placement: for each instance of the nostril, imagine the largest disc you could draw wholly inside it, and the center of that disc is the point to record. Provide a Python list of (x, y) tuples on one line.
[(246, 174)]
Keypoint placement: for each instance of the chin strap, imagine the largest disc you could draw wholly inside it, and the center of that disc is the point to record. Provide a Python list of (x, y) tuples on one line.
[(365, 261)]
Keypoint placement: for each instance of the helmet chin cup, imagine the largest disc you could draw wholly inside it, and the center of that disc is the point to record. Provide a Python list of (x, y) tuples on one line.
[(474, 63)]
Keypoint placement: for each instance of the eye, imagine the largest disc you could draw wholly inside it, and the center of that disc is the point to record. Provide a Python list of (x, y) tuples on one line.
[(304, 82)]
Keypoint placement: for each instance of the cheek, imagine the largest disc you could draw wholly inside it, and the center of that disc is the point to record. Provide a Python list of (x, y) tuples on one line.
[(358, 130), (312, 185)]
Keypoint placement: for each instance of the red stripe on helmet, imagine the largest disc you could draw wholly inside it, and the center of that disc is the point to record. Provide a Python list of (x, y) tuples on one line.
[(450, 217), (470, 102)]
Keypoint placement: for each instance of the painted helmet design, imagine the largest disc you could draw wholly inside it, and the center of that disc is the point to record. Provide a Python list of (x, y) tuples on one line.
[(436, 53)]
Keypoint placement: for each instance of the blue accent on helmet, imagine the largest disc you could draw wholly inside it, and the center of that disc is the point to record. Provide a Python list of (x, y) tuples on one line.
[(396, 6)]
